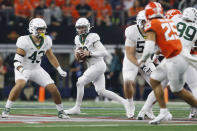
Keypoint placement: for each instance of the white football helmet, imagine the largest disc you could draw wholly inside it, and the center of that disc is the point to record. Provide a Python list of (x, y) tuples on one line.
[(190, 14), (82, 22), (36, 23), (141, 19)]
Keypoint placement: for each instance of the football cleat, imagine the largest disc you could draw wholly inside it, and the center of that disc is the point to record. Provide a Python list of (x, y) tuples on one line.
[(146, 113), (5, 113), (63, 115), (73, 111), (193, 112), (164, 116)]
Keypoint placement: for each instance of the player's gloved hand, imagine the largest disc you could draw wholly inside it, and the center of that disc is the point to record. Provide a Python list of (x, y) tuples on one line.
[(145, 68), (61, 72), (25, 73)]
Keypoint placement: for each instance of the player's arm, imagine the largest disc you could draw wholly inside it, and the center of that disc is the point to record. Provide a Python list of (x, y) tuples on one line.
[(149, 47), (53, 60), (18, 59), (100, 51), (130, 51)]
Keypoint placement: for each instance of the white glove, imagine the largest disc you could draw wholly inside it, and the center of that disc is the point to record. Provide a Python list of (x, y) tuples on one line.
[(25, 73), (146, 69), (61, 72)]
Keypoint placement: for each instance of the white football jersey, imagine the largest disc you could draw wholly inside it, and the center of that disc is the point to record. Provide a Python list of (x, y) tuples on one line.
[(187, 32), (34, 52), (88, 44), (137, 39)]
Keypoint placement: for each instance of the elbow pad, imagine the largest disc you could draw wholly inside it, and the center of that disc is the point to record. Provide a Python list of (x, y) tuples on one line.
[(18, 59)]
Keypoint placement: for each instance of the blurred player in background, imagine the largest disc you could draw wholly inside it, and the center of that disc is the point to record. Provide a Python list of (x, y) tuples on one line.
[(89, 47), (30, 49)]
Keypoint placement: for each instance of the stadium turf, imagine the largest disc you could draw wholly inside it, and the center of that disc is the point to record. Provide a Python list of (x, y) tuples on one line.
[(94, 116)]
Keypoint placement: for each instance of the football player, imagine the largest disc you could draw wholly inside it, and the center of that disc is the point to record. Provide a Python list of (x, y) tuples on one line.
[(163, 32), (134, 46), (30, 49), (188, 19), (94, 51)]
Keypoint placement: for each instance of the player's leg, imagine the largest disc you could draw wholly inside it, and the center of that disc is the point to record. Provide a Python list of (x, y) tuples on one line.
[(20, 82), (129, 74), (191, 78), (99, 84), (41, 77), (88, 76), (158, 75)]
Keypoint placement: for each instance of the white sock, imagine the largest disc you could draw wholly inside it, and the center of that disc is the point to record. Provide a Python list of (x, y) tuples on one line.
[(9, 104), (113, 96), (59, 107), (80, 93), (130, 101), (149, 101)]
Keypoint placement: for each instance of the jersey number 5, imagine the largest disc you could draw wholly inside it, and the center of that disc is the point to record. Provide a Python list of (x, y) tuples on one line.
[(171, 33), (33, 57)]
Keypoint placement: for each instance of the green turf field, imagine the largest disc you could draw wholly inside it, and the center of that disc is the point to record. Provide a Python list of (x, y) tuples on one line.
[(90, 110)]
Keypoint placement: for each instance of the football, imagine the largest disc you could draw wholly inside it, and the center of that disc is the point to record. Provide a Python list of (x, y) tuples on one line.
[(79, 55)]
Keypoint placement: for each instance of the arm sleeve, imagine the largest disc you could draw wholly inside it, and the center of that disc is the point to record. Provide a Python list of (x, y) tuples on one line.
[(21, 43), (100, 50)]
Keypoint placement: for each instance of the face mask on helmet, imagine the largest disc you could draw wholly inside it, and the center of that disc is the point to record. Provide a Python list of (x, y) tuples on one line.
[(141, 19), (37, 27), (82, 26), (190, 14)]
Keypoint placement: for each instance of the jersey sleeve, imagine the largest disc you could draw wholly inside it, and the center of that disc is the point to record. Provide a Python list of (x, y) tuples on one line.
[(77, 45), (21, 43), (95, 37), (130, 37), (49, 42)]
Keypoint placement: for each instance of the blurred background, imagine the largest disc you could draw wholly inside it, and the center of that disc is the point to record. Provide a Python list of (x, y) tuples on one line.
[(109, 18)]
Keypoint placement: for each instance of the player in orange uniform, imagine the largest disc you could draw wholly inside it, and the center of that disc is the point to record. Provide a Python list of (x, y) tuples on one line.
[(163, 32)]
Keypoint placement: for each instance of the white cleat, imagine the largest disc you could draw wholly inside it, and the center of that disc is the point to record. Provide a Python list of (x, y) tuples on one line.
[(73, 111), (146, 113), (193, 112), (165, 116), (130, 109), (63, 115), (5, 113)]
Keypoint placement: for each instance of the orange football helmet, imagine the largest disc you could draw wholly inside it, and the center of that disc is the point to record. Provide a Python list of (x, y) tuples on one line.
[(172, 12), (153, 10)]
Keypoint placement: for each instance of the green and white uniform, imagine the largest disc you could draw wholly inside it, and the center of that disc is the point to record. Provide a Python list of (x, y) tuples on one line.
[(32, 59)]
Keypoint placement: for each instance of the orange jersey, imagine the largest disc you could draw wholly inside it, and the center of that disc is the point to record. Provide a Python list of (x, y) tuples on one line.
[(166, 36)]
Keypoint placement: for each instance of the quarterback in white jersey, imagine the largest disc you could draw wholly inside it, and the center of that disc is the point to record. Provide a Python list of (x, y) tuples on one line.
[(94, 50), (188, 34), (134, 45), (30, 49)]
